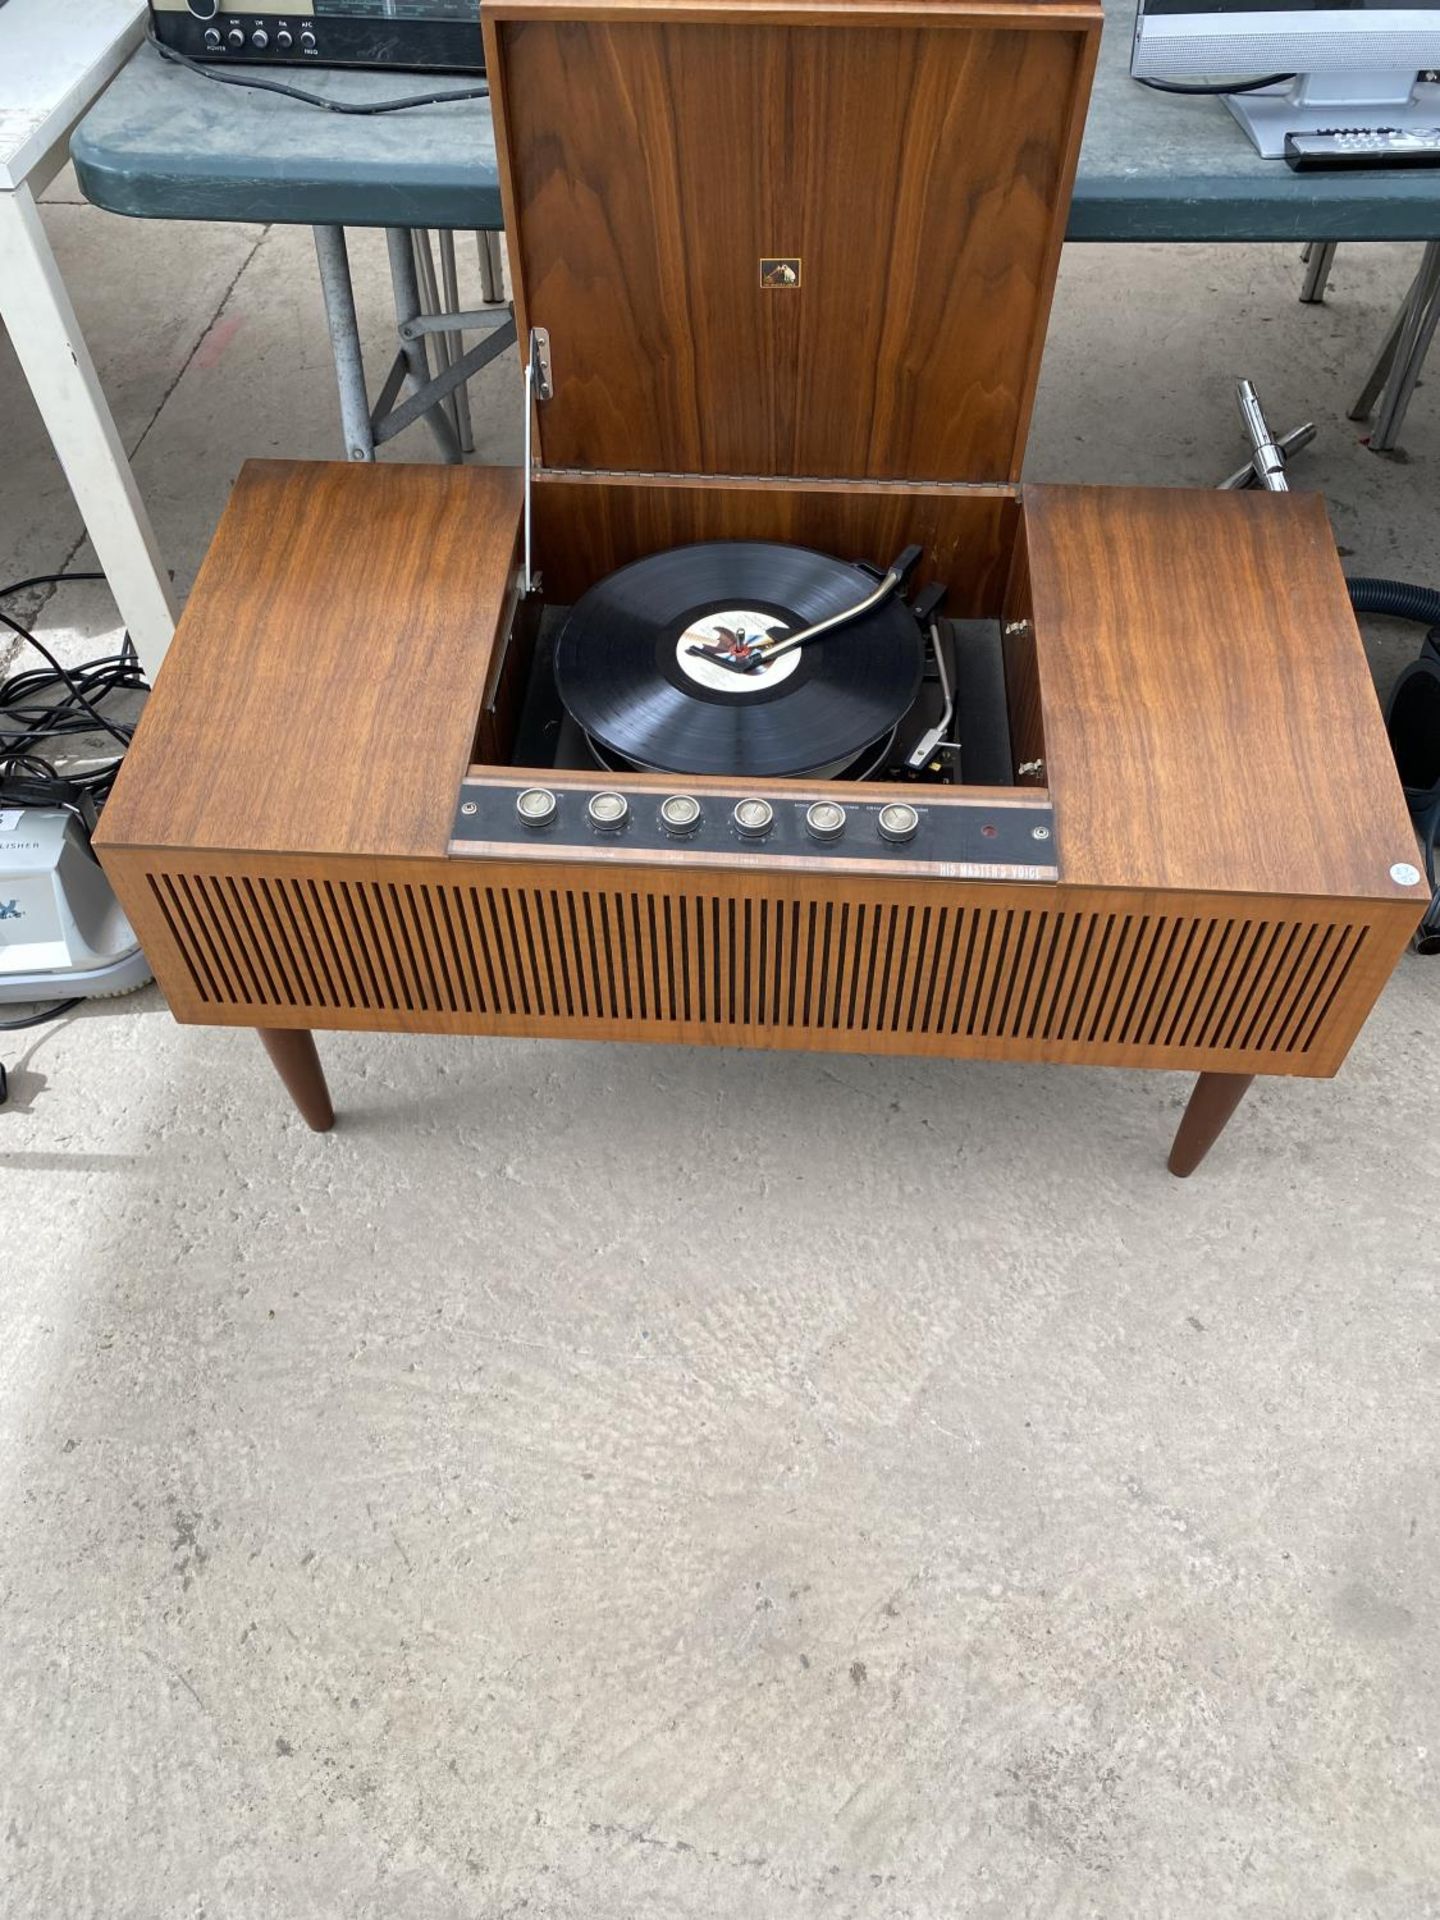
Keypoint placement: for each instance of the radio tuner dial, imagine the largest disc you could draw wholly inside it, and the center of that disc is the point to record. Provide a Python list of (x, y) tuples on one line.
[(897, 823), (235, 37), (307, 40), (753, 818), (825, 820), (536, 807), (259, 39), (283, 41), (608, 812), (680, 815)]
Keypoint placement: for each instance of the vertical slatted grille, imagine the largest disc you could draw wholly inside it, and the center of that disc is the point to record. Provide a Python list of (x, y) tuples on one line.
[(1033, 973)]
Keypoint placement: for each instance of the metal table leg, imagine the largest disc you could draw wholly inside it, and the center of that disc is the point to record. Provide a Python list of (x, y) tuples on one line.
[(1319, 257), (492, 269), (36, 312), (1415, 328), (430, 304), (345, 341), (454, 343), (440, 400), (406, 287)]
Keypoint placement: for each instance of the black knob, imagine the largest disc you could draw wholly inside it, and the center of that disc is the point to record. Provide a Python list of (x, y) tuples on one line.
[(282, 40), (212, 38), (235, 37), (259, 39), (307, 40)]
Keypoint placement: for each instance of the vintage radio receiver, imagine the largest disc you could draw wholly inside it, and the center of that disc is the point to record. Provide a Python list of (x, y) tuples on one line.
[(432, 35), (763, 706)]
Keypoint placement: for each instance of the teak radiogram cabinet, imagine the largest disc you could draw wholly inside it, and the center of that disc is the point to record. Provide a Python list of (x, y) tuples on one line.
[(788, 266)]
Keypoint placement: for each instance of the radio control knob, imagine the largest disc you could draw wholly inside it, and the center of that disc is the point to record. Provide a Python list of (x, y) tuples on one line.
[(235, 37), (536, 807), (212, 39), (307, 40), (259, 39), (608, 812), (753, 818), (680, 814), (283, 40), (825, 820), (898, 823)]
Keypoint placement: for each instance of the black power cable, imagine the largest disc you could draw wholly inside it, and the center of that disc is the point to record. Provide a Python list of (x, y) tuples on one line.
[(53, 702), (1224, 87), (38, 1019), (257, 85)]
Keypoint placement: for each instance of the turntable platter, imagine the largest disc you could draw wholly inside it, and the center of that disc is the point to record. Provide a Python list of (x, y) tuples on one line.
[(628, 674)]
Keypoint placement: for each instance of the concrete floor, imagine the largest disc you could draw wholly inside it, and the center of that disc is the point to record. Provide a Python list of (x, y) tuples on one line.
[(625, 1483)]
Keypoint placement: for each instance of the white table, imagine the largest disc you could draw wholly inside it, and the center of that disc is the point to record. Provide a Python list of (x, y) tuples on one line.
[(55, 56)]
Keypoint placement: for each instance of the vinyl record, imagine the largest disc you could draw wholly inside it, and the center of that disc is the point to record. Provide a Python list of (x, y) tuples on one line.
[(626, 674)]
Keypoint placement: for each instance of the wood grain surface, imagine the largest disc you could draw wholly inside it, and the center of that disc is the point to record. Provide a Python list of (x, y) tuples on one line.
[(324, 686), (1023, 14), (1216, 757), (1210, 719), (920, 174), (586, 526), (859, 963)]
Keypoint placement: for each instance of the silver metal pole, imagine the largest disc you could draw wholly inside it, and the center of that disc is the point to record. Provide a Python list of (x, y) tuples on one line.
[(406, 287), (1410, 350), (430, 300), (492, 275), (1266, 457), (1364, 404), (1288, 443), (339, 295), (450, 291), (1319, 257)]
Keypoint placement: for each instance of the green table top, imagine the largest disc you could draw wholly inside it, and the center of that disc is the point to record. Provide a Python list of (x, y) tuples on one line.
[(165, 144)]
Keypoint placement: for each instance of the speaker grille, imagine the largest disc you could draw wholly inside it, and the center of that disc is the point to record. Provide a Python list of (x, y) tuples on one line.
[(1047, 975)]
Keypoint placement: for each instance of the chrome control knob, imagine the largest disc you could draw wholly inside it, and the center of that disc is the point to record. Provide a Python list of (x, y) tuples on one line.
[(283, 40), (680, 815), (897, 823), (212, 39), (307, 40), (259, 39), (825, 820), (235, 38), (608, 812), (753, 818), (536, 807)]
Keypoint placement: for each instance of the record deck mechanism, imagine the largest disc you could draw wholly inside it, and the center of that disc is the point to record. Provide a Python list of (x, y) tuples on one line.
[(724, 662)]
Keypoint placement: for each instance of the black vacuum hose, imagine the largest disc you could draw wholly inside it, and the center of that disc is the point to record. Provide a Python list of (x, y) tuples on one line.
[(1397, 598)]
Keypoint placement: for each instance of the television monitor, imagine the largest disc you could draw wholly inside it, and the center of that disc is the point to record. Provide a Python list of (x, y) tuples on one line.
[(1344, 66)]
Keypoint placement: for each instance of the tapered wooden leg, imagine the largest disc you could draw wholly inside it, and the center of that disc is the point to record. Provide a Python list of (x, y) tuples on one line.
[(1213, 1099), (293, 1056)]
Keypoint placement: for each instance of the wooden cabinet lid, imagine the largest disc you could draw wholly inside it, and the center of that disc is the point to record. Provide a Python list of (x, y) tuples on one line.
[(785, 237)]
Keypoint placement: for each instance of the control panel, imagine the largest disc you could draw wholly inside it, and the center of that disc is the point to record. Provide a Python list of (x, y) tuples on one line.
[(273, 35), (1011, 836), (429, 35)]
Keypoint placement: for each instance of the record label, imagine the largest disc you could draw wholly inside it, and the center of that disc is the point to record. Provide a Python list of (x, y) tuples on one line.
[(722, 630)]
